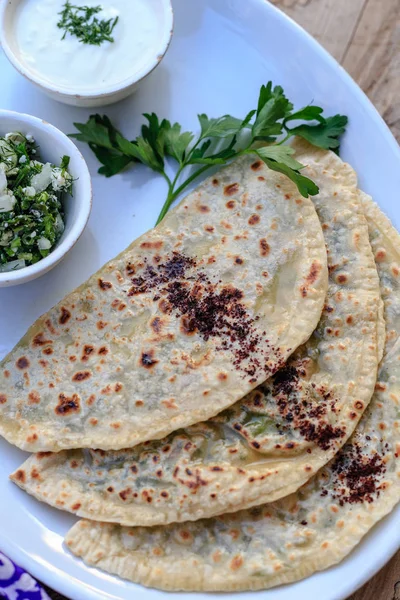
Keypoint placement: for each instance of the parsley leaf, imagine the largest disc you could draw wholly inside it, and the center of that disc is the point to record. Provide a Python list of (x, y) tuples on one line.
[(98, 130), (248, 118), (283, 154), (147, 154), (219, 128), (220, 140), (324, 135), (153, 133), (218, 157), (272, 106), (109, 146), (176, 142), (308, 113), (113, 162), (279, 158), (305, 185)]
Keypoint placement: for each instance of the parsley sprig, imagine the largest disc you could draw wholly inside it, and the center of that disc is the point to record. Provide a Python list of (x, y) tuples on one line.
[(263, 133), (81, 22)]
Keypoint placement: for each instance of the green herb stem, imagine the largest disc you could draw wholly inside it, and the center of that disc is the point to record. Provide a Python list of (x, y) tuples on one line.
[(173, 194), (285, 139)]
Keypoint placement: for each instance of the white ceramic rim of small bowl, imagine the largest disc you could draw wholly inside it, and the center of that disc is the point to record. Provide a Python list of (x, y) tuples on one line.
[(105, 92), (78, 226)]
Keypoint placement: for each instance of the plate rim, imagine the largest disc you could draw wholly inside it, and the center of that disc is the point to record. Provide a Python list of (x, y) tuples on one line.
[(59, 580)]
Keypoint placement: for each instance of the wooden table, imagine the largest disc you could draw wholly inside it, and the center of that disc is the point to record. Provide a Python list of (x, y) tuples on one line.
[(364, 36)]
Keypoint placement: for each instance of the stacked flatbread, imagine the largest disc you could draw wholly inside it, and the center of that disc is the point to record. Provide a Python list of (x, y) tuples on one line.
[(214, 383)]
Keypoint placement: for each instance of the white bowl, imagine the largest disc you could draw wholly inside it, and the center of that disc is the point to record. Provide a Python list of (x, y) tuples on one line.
[(99, 97), (53, 145)]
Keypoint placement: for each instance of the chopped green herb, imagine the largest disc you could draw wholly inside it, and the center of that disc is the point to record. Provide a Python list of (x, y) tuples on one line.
[(31, 212), (81, 22), (219, 141)]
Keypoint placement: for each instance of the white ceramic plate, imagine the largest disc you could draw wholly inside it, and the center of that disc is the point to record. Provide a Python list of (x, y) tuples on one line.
[(222, 51)]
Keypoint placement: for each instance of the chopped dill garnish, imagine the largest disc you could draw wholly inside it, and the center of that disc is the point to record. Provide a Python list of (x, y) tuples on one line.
[(81, 22)]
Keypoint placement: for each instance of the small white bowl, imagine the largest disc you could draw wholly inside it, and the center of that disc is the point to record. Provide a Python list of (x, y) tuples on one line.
[(53, 145), (99, 97)]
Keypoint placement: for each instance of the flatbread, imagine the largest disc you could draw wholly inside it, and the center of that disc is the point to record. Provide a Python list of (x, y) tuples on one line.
[(303, 533), (187, 320), (271, 442)]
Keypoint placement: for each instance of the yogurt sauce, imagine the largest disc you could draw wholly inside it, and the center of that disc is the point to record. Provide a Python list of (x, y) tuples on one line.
[(70, 64)]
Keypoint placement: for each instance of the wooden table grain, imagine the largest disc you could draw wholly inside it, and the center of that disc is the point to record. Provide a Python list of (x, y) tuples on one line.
[(364, 36)]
